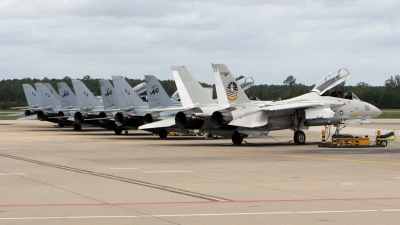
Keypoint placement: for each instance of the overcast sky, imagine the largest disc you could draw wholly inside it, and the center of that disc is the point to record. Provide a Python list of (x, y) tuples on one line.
[(267, 40)]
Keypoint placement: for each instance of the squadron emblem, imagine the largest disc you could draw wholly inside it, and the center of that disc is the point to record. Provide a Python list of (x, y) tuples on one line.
[(232, 91)]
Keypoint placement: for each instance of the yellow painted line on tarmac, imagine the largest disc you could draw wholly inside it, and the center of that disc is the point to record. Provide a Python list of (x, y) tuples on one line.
[(127, 180)]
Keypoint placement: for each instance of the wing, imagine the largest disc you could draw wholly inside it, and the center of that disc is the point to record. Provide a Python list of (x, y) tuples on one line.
[(162, 123)]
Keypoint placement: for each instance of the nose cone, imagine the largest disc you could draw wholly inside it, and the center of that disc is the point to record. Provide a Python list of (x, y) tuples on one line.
[(375, 112)]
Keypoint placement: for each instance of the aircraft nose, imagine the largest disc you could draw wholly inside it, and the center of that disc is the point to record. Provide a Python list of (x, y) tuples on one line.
[(375, 112)]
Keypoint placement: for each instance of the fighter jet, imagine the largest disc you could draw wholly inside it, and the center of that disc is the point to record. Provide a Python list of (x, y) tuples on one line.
[(131, 107), (195, 101), (69, 105), (134, 112), (33, 106), (91, 111), (312, 109), (51, 106)]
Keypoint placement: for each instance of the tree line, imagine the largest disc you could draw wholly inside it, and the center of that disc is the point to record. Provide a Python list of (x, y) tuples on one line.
[(384, 97)]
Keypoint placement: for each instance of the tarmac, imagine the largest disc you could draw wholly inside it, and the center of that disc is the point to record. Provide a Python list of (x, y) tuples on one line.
[(53, 175)]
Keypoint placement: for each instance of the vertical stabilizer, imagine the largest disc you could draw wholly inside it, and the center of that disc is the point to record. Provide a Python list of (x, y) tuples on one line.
[(31, 96), (108, 94), (52, 90), (190, 90), (127, 97), (156, 95), (67, 97), (85, 97), (228, 89), (47, 99)]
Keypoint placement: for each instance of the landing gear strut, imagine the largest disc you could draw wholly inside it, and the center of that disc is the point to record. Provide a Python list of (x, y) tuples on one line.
[(236, 138), (299, 137), (337, 132)]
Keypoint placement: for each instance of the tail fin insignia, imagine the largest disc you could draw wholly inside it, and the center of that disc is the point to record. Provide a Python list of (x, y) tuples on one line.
[(232, 91)]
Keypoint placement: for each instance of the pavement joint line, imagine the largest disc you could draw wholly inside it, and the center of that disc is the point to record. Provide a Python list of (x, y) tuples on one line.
[(127, 180), (207, 214)]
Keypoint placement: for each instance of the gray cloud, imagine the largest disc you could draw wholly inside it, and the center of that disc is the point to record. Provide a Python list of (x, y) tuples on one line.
[(268, 40)]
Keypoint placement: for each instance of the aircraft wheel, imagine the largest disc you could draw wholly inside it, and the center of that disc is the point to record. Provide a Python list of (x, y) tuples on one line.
[(200, 133), (163, 133), (236, 138), (61, 125), (118, 130), (77, 127), (384, 143), (300, 137)]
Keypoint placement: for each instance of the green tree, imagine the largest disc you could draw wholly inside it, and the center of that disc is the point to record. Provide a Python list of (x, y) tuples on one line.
[(393, 84)]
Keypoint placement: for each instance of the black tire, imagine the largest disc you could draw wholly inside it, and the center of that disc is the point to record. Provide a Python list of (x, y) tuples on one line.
[(384, 143), (118, 131), (300, 137), (77, 127), (61, 125), (236, 138), (163, 133)]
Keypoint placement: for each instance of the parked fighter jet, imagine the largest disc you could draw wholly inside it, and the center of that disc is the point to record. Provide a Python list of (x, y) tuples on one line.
[(91, 111), (133, 111), (33, 101), (132, 107), (51, 106), (311, 109), (195, 101)]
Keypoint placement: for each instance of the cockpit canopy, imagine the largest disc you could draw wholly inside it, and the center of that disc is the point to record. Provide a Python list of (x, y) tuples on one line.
[(350, 95), (331, 80)]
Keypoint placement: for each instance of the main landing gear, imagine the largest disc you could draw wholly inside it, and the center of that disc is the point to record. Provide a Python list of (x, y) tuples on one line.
[(118, 130), (163, 133), (77, 126), (299, 137), (237, 139)]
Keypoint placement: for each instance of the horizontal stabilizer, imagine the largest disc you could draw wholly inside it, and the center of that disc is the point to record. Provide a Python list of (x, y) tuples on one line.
[(159, 124), (31, 117), (23, 107), (17, 114), (100, 118), (257, 119), (59, 117)]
